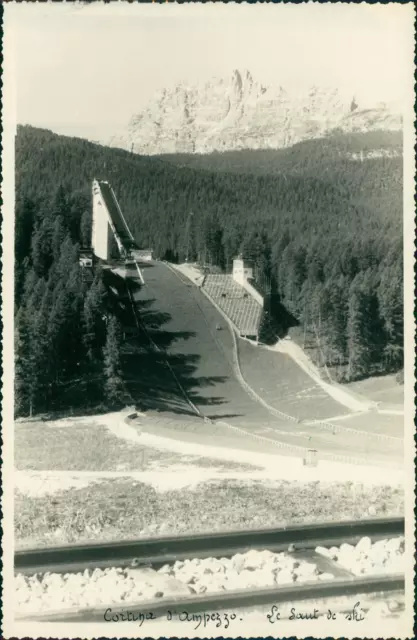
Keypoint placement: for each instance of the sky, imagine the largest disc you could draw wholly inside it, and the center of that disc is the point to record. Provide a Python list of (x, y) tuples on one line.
[(85, 70)]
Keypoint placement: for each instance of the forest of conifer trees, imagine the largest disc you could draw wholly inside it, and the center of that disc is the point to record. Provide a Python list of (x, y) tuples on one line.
[(329, 241), (67, 337)]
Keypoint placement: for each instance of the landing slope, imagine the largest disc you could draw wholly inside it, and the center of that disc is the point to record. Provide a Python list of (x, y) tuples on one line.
[(284, 385), (182, 323)]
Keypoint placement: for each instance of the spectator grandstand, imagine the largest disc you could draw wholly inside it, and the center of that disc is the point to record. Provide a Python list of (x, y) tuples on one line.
[(243, 310)]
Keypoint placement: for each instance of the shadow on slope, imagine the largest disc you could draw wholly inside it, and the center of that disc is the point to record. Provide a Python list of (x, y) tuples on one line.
[(277, 320), (148, 365)]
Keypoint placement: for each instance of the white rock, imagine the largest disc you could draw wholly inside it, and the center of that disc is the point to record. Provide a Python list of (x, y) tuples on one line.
[(306, 568), (364, 545), (347, 548), (213, 583), (166, 569), (251, 560), (284, 577), (304, 577), (226, 562), (380, 544), (326, 576), (266, 579), (247, 579), (238, 562), (395, 544), (200, 588)]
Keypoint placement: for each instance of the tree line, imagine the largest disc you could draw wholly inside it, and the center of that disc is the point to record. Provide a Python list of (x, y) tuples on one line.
[(324, 230), (67, 336)]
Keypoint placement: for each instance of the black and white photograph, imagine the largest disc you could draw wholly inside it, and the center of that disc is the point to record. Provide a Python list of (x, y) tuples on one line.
[(208, 336)]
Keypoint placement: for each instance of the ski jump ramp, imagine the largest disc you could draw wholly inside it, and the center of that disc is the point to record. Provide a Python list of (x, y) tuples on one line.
[(107, 218)]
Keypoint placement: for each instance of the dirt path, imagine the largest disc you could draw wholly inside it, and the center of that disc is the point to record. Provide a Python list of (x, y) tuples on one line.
[(352, 401), (275, 466), (177, 475)]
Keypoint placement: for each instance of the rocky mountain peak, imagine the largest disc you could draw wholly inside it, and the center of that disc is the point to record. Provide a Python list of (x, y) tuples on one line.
[(239, 113)]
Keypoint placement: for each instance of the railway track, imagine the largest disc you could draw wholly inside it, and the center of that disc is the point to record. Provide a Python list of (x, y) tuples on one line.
[(295, 564)]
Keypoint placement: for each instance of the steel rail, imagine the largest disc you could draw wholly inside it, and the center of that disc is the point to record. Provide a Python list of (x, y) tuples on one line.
[(159, 551), (228, 600)]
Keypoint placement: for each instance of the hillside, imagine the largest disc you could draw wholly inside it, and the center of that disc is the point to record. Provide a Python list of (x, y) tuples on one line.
[(368, 164), (312, 157), (326, 232)]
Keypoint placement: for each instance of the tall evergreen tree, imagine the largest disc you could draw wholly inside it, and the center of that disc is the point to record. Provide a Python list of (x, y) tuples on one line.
[(358, 333), (58, 236), (86, 228), (214, 241), (114, 388), (42, 254), (390, 296), (23, 371)]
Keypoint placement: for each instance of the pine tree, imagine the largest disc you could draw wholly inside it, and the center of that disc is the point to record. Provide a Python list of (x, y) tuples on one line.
[(39, 365), (114, 388), (42, 255), (94, 327), (214, 241), (358, 334), (390, 296), (333, 328), (59, 203), (85, 229), (58, 236), (189, 249), (24, 221), (22, 383), (232, 240)]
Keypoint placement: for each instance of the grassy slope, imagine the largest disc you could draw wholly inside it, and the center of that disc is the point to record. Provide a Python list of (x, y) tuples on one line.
[(383, 389), (91, 447), (284, 385), (390, 425), (124, 509)]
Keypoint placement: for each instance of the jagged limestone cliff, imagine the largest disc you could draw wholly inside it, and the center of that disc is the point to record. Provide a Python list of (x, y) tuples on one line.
[(239, 113)]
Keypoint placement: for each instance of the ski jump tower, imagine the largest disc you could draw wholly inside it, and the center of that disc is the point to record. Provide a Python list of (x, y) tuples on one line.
[(108, 219)]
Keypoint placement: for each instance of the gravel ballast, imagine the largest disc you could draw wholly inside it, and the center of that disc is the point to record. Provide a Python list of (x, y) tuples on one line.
[(367, 557), (254, 569), (251, 570)]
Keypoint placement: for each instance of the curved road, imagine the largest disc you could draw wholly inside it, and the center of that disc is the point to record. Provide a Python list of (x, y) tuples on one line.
[(182, 323)]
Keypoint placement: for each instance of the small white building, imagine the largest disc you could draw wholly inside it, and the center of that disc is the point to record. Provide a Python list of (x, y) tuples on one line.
[(85, 258), (86, 262), (145, 255), (241, 272)]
